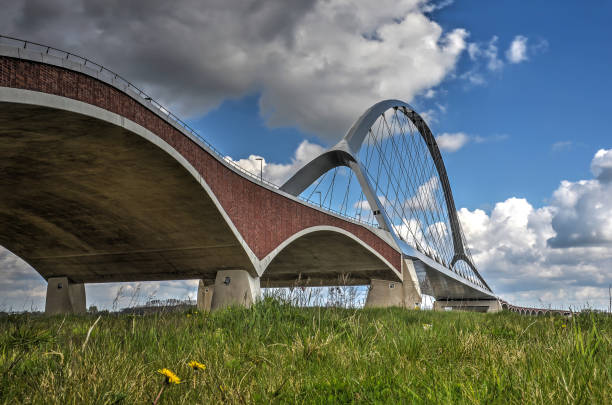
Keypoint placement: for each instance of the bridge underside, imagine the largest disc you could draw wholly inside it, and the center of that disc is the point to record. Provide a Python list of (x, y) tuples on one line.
[(444, 285), (85, 199), (325, 258), (88, 200)]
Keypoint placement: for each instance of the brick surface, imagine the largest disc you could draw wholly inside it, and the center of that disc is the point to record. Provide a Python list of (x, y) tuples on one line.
[(264, 218)]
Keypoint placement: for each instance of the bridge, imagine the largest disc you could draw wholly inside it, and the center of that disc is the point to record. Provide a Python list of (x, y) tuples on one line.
[(100, 183)]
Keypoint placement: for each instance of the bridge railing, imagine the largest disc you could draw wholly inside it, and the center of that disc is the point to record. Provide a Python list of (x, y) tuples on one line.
[(129, 86)]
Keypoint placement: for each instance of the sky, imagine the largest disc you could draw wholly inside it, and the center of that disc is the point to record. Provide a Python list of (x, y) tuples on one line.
[(517, 97)]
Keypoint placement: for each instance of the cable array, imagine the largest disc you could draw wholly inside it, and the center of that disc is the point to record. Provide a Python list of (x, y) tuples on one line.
[(401, 172)]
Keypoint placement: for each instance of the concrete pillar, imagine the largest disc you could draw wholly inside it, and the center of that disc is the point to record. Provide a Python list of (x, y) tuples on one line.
[(64, 297), (467, 305), (205, 294), (235, 287), (385, 293)]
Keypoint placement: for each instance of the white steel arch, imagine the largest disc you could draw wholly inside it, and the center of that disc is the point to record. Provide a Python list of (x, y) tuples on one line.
[(346, 153)]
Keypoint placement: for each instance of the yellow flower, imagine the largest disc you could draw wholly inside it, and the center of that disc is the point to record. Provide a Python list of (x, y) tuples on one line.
[(563, 326), (171, 378), (188, 315), (196, 366), (427, 326)]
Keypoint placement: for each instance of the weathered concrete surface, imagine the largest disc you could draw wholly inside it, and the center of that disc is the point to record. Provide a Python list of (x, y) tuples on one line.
[(65, 297), (91, 201), (325, 257), (235, 287), (446, 286), (406, 294), (468, 305), (205, 294), (411, 286), (384, 293)]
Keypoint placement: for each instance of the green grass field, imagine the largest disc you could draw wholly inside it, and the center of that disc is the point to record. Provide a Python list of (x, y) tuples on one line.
[(278, 353)]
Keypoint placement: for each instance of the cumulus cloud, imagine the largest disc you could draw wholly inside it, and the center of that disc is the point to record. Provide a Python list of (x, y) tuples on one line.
[(278, 173), (517, 52), (317, 64), (452, 142), (601, 166), (559, 254)]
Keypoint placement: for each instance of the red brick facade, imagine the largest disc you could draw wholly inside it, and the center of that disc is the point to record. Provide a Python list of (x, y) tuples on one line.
[(264, 218)]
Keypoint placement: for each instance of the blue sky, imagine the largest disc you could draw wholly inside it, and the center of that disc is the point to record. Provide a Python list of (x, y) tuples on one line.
[(518, 94), (542, 119)]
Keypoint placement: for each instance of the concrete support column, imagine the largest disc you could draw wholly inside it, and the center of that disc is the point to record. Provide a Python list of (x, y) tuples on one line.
[(205, 294), (235, 287), (467, 305), (64, 297), (385, 293)]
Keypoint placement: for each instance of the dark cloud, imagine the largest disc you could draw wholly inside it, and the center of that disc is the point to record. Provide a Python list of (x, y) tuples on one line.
[(309, 59)]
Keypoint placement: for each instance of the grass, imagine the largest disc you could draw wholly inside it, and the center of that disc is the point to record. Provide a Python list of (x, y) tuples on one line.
[(278, 353)]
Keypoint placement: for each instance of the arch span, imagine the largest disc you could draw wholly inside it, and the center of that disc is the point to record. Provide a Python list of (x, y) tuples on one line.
[(348, 149), (259, 216), (95, 198), (325, 255)]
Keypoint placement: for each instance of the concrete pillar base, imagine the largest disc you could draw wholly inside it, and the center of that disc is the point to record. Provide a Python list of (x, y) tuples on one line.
[(467, 305), (64, 297), (383, 294), (407, 295), (235, 287), (205, 294)]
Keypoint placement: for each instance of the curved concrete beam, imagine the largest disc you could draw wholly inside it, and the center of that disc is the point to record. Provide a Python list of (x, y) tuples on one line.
[(334, 250), (33, 98)]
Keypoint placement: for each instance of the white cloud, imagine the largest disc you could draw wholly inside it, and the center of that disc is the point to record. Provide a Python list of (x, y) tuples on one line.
[(517, 52), (561, 145), (317, 64), (559, 254), (431, 7), (488, 52), (278, 173), (452, 142), (601, 166)]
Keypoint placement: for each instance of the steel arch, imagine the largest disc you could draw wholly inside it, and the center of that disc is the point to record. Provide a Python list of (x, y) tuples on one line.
[(345, 153)]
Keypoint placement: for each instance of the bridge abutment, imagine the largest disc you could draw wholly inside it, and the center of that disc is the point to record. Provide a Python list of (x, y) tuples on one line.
[(64, 297), (385, 293), (233, 287), (467, 305)]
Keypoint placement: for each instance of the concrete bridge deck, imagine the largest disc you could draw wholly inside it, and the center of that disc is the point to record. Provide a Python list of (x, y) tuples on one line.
[(98, 184)]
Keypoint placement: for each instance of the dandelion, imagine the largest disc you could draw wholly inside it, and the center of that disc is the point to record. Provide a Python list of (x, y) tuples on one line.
[(563, 326), (196, 367), (171, 378)]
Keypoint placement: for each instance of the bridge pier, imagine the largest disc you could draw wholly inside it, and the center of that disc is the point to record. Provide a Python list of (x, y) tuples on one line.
[(385, 293), (232, 287), (468, 305), (64, 297), (205, 294)]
